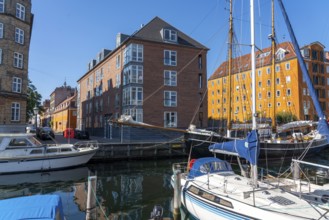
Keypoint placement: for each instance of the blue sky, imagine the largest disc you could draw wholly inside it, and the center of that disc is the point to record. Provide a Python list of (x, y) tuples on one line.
[(67, 34)]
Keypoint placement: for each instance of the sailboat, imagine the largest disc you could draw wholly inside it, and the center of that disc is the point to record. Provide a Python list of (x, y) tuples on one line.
[(211, 190), (272, 146)]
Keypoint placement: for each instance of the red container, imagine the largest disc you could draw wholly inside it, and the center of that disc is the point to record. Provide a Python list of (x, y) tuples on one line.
[(69, 133)]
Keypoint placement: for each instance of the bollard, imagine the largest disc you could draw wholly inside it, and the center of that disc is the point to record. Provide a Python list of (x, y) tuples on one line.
[(177, 192), (296, 171), (91, 198)]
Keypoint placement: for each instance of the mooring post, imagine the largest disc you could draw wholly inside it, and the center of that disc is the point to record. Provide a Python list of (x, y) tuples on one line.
[(91, 198), (177, 192)]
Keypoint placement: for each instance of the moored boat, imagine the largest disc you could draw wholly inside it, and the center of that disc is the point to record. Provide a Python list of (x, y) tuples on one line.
[(22, 153)]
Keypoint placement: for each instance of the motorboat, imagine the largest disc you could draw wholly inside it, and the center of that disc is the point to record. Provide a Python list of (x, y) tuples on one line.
[(23, 153)]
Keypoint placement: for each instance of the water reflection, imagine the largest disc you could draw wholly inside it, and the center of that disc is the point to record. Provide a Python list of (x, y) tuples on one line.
[(125, 190)]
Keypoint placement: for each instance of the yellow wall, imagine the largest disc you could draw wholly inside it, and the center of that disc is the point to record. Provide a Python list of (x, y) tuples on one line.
[(62, 120)]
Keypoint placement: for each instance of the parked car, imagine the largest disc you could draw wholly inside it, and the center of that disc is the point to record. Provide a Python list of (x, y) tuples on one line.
[(81, 134), (30, 129), (45, 133)]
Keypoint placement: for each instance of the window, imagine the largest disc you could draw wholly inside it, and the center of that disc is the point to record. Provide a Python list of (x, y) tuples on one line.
[(118, 62), (0, 56), (304, 91), (277, 68), (2, 6), (289, 103), (20, 11), (19, 36), (118, 81), (278, 104), (18, 60), (170, 119), (268, 82), (314, 55), (259, 95), (170, 58), (268, 70), (260, 84), (136, 114), (277, 81), (268, 94), (169, 35), (288, 79), (200, 81), (243, 76), (17, 84), (133, 74), (170, 78), (288, 92), (287, 66), (15, 111), (133, 52), (170, 98), (132, 96), (1, 30), (200, 62), (278, 93), (259, 73)]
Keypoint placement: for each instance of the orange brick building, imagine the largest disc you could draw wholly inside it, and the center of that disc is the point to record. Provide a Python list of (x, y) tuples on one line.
[(157, 75), (291, 92)]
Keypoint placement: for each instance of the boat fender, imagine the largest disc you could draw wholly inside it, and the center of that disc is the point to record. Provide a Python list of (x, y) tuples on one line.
[(325, 198)]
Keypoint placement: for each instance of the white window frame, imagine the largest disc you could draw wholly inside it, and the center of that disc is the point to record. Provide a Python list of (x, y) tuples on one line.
[(18, 60), (20, 11), (288, 92), (170, 58), (287, 66), (0, 55), (278, 93), (2, 6), (1, 30), (170, 35), (17, 85), (170, 119), (19, 36), (15, 111), (118, 61), (133, 74), (277, 68), (170, 78), (132, 96), (133, 52), (170, 99), (288, 79)]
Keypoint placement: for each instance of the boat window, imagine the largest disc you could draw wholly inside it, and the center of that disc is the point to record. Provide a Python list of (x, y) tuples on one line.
[(66, 149), (209, 196), (36, 151), (19, 142), (52, 150)]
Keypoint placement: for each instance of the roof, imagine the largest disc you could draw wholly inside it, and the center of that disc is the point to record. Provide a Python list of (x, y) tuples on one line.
[(151, 32), (243, 63), (42, 207)]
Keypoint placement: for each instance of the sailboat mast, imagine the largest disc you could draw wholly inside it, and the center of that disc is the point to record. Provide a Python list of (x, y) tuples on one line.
[(273, 109), (253, 74), (229, 118)]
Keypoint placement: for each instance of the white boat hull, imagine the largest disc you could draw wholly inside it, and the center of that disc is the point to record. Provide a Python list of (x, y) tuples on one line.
[(45, 163)]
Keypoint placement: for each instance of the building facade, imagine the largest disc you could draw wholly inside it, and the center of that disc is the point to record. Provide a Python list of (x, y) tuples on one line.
[(291, 92), (15, 32), (65, 114), (157, 75)]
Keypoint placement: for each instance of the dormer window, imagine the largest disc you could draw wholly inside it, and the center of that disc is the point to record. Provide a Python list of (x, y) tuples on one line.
[(169, 35), (281, 54)]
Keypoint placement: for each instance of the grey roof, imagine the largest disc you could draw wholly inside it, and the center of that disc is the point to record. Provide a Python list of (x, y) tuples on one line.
[(151, 32)]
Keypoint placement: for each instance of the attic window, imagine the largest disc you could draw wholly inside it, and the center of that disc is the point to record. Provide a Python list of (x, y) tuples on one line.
[(169, 35), (281, 54)]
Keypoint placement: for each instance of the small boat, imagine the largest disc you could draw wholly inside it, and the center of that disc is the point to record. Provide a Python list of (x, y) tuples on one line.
[(23, 153), (32, 207)]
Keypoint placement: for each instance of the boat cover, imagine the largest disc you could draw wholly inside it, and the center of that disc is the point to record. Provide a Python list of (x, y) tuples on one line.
[(41, 207), (207, 165), (247, 148)]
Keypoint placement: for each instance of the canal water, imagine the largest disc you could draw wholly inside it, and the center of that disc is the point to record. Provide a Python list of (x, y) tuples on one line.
[(125, 190)]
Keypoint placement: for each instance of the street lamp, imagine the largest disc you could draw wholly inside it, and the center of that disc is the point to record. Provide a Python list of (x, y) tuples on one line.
[(35, 111)]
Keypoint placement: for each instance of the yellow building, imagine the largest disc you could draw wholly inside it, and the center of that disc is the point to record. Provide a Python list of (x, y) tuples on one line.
[(65, 115), (291, 93)]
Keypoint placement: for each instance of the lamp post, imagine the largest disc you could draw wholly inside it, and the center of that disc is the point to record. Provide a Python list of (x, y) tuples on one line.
[(35, 111)]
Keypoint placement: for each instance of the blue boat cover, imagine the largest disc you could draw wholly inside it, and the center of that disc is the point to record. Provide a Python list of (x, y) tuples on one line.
[(45, 207), (247, 148), (205, 165)]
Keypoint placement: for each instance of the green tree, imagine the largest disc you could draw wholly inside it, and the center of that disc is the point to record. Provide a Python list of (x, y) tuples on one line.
[(285, 117), (33, 99)]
